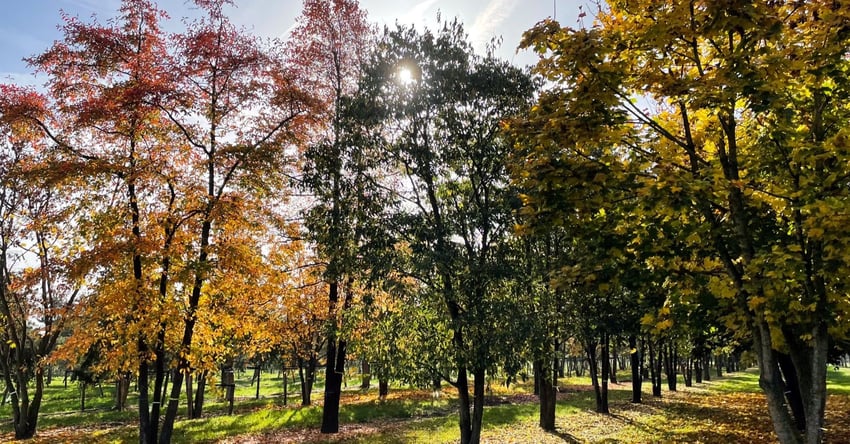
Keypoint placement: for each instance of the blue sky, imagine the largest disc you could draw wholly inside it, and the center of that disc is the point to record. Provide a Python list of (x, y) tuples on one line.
[(28, 27)]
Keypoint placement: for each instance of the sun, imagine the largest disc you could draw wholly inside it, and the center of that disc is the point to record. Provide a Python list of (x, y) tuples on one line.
[(405, 76)]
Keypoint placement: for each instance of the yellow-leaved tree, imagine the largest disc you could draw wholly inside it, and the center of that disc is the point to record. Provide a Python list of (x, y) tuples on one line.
[(732, 119)]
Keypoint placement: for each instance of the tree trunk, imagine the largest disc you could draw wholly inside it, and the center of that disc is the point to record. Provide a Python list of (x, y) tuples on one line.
[(83, 385), (547, 396), (670, 363), (366, 371), (655, 369), (792, 389), (593, 369), (257, 375), (334, 369), (635, 363), (478, 405), (200, 390), (606, 372), (770, 381), (122, 390), (465, 419), (613, 351), (718, 362), (811, 362), (144, 412), (189, 404), (383, 388)]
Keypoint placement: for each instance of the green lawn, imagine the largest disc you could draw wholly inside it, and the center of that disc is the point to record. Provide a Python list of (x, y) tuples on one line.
[(728, 409)]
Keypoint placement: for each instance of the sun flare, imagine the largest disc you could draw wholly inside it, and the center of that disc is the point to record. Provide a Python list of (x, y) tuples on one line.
[(405, 76)]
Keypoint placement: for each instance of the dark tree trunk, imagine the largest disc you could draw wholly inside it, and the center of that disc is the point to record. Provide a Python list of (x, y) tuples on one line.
[(257, 376), (189, 404), (670, 364), (465, 418), (144, 410), (655, 369), (83, 385), (478, 405), (635, 363), (593, 369), (307, 375), (606, 370), (228, 382), (792, 389), (383, 388), (366, 371), (199, 395), (536, 369), (334, 368), (718, 362), (613, 350), (547, 395)]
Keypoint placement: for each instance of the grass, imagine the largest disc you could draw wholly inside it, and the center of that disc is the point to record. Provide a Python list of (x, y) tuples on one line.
[(728, 409)]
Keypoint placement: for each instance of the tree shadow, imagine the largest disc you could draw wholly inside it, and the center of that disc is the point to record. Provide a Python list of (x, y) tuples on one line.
[(566, 437)]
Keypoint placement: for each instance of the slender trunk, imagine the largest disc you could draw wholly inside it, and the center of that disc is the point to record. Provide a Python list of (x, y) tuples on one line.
[(593, 368), (189, 405), (792, 389), (770, 381), (478, 405), (83, 385), (144, 412), (811, 360), (606, 372), (199, 395), (547, 396), (334, 369), (613, 351), (257, 375), (465, 420), (366, 371), (655, 370), (635, 362), (718, 364), (383, 388), (536, 368)]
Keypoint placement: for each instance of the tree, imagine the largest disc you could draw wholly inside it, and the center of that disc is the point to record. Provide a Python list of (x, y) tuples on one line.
[(240, 110), (328, 46), (439, 126), (39, 282), (101, 79), (749, 134), (196, 132)]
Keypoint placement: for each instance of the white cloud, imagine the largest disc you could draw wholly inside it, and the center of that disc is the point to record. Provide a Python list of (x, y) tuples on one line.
[(416, 14), (489, 23), (22, 79)]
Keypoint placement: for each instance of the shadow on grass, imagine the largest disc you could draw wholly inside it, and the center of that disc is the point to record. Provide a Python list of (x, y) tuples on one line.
[(566, 437)]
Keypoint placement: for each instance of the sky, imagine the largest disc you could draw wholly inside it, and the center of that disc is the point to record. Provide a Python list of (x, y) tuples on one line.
[(28, 27)]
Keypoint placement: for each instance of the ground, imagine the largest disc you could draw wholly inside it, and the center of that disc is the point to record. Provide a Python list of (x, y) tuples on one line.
[(725, 410)]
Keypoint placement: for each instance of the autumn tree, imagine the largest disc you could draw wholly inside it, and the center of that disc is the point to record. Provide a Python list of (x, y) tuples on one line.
[(39, 279), (102, 127), (748, 132), (240, 111), (327, 48), (194, 133)]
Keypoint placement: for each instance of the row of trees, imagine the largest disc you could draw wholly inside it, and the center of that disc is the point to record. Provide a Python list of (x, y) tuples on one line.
[(672, 175)]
